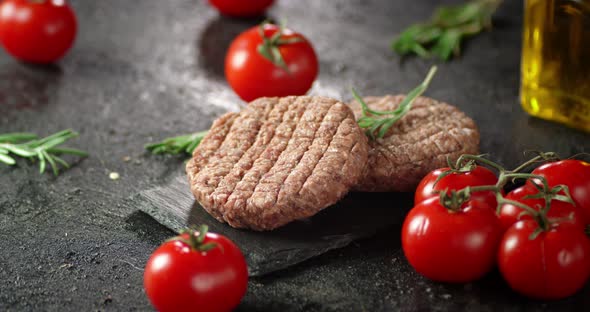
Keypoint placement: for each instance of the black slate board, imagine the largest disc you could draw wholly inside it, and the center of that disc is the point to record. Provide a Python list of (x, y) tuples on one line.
[(355, 216)]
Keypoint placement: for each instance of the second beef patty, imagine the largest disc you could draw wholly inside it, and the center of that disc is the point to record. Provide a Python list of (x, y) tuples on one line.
[(419, 142)]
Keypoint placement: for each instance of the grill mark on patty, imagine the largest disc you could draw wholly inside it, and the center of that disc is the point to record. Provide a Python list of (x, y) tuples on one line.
[(269, 190), (230, 151), (233, 215), (224, 120), (298, 165), (307, 144), (311, 147), (225, 189), (324, 151), (293, 124), (210, 145)]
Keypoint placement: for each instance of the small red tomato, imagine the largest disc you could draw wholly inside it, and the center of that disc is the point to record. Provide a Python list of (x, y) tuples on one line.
[(451, 246), (553, 265), (573, 173), (185, 275), (252, 75), (241, 8), (37, 31), (456, 181), (510, 214)]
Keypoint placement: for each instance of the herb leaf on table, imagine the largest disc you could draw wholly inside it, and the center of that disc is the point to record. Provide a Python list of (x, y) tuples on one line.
[(182, 144), (45, 150), (442, 35)]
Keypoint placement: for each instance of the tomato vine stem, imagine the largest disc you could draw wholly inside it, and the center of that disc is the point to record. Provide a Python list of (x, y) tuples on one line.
[(465, 163)]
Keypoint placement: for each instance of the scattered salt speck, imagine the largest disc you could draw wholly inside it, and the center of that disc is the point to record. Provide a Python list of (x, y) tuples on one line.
[(126, 159), (114, 176), (446, 296)]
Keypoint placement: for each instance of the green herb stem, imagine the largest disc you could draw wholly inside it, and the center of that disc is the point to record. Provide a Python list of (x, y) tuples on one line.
[(182, 144), (380, 126)]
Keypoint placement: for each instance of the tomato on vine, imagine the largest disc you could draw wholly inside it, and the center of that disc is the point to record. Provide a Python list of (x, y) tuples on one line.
[(269, 60), (39, 31), (451, 244), (478, 176), (196, 271), (575, 174), (558, 209), (545, 260)]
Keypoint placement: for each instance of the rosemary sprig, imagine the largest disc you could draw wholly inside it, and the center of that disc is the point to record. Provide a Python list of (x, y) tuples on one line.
[(46, 150), (182, 144), (442, 35), (382, 125)]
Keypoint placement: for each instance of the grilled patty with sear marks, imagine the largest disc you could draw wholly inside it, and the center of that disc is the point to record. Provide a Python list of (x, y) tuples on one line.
[(278, 160), (419, 142)]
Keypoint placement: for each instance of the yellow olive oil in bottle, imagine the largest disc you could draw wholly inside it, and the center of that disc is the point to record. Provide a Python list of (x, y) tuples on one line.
[(555, 68)]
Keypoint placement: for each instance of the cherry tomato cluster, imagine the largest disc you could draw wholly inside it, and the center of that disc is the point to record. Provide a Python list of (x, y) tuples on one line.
[(463, 224)]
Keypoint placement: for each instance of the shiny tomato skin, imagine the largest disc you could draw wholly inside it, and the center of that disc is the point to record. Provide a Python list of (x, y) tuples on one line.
[(252, 76), (37, 31), (241, 8), (456, 181), (510, 214), (178, 278), (554, 265), (573, 173), (446, 246)]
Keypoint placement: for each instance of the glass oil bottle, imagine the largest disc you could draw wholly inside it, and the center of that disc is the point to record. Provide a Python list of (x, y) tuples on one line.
[(555, 67)]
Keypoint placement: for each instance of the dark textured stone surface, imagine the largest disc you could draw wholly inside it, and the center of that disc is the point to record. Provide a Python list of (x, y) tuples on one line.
[(174, 206), (144, 70)]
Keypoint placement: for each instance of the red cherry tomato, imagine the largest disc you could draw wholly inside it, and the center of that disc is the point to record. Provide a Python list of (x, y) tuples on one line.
[(37, 31), (456, 181), (451, 246), (573, 173), (509, 214), (252, 76), (241, 8), (554, 265), (177, 277)]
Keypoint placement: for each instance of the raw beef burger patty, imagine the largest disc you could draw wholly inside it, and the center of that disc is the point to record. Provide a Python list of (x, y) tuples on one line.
[(278, 160), (419, 142)]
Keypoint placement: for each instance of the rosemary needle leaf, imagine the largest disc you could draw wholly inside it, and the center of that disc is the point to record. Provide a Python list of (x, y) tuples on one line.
[(7, 159), (60, 161), (52, 163), (17, 137), (65, 150), (18, 150), (42, 162)]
